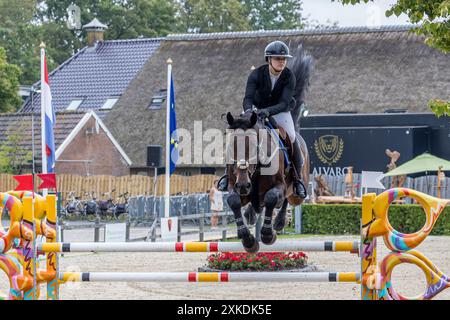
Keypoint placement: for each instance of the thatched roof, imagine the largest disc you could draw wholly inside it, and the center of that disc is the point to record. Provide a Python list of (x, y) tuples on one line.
[(358, 69)]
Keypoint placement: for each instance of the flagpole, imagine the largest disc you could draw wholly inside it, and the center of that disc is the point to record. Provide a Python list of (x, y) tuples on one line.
[(43, 149), (167, 175)]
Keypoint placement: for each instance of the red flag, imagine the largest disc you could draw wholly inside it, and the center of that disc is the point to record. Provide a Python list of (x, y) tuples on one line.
[(48, 181), (25, 182)]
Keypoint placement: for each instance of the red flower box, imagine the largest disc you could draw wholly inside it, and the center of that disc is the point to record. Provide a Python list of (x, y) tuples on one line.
[(262, 261)]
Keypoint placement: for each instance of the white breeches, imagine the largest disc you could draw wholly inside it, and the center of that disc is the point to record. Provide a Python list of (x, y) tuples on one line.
[(284, 120)]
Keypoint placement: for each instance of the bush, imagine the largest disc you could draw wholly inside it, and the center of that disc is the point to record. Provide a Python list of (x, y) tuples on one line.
[(345, 219)]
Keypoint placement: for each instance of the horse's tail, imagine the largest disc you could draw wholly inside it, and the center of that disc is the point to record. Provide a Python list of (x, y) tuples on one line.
[(302, 66)]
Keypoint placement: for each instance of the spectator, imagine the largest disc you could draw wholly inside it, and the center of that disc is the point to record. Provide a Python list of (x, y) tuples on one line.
[(216, 198)]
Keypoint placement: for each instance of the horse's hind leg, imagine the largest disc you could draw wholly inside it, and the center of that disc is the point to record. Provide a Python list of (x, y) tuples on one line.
[(271, 199), (248, 240), (280, 219), (250, 215)]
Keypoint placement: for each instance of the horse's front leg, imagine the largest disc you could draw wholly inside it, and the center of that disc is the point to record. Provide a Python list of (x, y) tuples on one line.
[(280, 219), (271, 199), (248, 240)]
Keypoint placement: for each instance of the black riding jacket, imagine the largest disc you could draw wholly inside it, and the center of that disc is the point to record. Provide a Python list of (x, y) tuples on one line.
[(259, 91)]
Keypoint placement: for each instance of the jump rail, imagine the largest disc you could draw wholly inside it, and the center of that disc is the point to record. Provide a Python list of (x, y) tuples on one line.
[(209, 277), (311, 246)]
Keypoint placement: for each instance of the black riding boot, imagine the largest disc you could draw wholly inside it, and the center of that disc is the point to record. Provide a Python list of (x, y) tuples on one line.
[(299, 187), (222, 184)]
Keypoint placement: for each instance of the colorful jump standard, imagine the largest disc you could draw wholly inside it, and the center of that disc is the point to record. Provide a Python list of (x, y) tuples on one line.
[(375, 278)]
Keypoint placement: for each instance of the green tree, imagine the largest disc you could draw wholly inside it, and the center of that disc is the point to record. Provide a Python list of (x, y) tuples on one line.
[(432, 15), (14, 157), (20, 36), (274, 14), (126, 19), (433, 19), (205, 16), (9, 84), (24, 24)]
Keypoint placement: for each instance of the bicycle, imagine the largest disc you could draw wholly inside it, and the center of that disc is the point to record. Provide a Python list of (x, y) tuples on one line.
[(74, 208)]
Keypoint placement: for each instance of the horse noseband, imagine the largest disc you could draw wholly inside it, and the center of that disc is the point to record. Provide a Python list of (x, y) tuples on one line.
[(242, 164)]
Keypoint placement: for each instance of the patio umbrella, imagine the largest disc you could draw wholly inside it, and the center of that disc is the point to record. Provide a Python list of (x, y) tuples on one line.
[(424, 162)]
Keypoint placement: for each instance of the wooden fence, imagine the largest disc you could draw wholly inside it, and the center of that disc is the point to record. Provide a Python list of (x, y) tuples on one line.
[(134, 185)]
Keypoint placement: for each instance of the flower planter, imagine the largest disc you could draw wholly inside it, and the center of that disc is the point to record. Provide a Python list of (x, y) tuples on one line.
[(262, 261)]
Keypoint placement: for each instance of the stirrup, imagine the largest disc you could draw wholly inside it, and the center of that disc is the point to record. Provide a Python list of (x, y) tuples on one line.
[(300, 189)]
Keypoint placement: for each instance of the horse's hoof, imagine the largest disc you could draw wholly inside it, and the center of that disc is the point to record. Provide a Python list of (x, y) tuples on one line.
[(250, 244), (279, 223), (269, 239)]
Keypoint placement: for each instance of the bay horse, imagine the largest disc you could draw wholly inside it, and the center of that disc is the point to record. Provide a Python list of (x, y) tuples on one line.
[(249, 186)]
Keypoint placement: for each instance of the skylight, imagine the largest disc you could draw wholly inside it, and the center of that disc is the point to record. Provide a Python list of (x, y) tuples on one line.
[(109, 104), (158, 100), (74, 104)]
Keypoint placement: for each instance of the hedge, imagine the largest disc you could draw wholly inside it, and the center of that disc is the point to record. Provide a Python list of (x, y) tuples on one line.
[(345, 219)]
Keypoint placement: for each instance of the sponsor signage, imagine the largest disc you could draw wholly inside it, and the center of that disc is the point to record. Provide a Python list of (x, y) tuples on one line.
[(333, 150)]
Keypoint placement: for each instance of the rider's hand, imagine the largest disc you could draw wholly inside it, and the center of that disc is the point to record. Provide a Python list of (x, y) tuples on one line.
[(262, 113)]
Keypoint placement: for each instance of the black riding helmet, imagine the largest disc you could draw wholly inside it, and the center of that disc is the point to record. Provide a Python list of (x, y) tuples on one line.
[(277, 49)]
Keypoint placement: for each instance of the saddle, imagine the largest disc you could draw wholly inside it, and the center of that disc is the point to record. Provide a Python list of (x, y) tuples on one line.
[(285, 142)]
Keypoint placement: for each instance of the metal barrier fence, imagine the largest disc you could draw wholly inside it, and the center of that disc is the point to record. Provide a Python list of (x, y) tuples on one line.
[(144, 208)]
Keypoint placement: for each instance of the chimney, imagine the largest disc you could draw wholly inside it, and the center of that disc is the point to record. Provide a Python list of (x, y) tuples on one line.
[(95, 32)]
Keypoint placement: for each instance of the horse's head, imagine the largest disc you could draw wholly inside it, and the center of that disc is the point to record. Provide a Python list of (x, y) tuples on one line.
[(244, 140)]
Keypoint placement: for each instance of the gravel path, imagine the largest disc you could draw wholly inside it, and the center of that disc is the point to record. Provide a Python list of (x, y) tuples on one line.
[(408, 280)]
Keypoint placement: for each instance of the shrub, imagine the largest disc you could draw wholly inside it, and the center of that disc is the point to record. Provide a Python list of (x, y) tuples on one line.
[(345, 219)]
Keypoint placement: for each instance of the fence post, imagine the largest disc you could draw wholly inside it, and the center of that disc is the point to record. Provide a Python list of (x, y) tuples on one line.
[(61, 236), (202, 225), (179, 230), (224, 231), (127, 231), (298, 219), (97, 230)]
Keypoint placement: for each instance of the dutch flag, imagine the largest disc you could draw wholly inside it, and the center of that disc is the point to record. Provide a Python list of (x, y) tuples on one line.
[(48, 119)]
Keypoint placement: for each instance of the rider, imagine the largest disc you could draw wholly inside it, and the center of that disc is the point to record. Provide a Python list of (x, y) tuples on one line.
[(270, 89)]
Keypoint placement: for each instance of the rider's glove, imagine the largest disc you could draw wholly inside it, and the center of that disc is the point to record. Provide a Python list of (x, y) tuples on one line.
[(262, 113)]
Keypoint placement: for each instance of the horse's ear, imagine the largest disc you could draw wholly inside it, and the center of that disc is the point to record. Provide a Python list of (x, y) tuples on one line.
[(253, 119), (230, 118)]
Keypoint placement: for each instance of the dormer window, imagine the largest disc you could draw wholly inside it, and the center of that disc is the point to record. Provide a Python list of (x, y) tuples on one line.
[(75, 104), (158, 100), (109, 104)]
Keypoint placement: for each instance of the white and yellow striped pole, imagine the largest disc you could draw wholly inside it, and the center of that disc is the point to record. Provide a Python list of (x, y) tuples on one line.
[(280, 246), (210, 277)]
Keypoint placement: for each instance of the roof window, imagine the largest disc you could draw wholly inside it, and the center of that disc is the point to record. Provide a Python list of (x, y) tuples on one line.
[(75, 104), (109, 104), (158, 100)]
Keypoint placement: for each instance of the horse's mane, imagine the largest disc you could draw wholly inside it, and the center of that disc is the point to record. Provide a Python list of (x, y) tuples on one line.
[(243, 122)]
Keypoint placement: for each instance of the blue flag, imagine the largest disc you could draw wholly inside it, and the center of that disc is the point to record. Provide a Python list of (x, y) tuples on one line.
[(173, 127)]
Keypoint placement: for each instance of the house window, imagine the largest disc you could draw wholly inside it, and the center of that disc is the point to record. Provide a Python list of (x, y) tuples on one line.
[(158, 100), (74, 104), (109, 104)]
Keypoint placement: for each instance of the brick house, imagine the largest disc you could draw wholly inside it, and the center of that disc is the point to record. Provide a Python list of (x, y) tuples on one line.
[(84, 146)]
